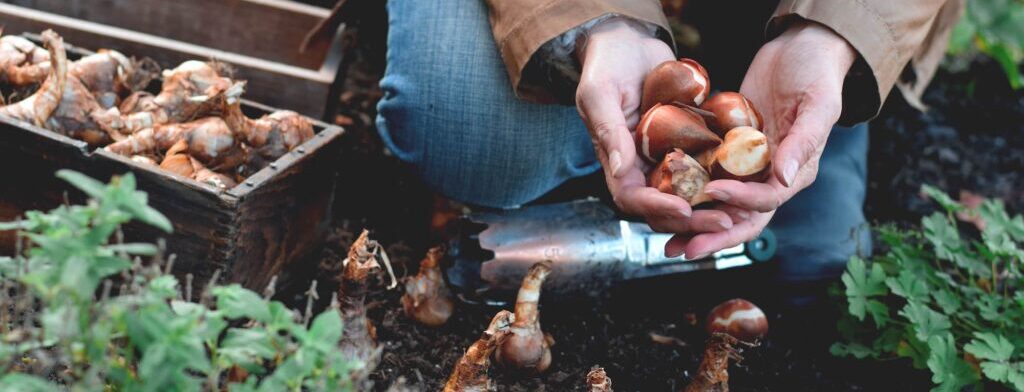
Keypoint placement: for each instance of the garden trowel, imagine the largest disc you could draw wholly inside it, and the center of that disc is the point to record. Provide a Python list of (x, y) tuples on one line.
[(586, 242)]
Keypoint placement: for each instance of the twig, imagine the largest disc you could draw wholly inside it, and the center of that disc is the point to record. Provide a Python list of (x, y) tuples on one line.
[(311, 295), (271, 288)]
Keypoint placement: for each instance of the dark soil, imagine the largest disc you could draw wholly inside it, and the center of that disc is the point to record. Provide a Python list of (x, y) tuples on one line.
[(972, 139)]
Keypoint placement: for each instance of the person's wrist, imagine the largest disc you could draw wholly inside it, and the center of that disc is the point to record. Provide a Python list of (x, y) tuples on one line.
[(622, 30), (829, 43)]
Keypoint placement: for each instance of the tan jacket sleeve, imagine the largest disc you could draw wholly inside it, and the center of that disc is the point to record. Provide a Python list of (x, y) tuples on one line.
[(900, 43), (521, 26)]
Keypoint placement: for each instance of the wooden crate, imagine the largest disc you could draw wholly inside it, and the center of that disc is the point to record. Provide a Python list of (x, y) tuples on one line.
[(277, 217), (260, 38)]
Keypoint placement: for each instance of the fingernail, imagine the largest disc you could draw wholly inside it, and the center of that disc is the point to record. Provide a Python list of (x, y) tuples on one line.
[(717, 194), (615, 160), (744, 215), (685, 212), (673, 253), (699, 255), (725, 223), (789, 172)]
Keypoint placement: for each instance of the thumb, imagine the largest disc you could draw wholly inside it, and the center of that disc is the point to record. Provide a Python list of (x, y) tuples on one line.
[(602, 113)]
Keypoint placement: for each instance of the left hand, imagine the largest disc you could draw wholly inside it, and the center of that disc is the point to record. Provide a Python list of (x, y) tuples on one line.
[(796, 81)]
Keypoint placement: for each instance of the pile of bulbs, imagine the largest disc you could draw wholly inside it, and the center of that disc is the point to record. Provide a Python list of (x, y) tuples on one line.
[(194, 127), (693, 139)]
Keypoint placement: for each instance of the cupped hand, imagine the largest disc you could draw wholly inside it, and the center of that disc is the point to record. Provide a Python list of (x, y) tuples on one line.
[(796, 81), (616, 58)]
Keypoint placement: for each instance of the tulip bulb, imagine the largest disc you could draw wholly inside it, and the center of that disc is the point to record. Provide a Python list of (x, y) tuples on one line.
[(681, 175), (667, 127), (731, 110), (684, 81), (743, 156)]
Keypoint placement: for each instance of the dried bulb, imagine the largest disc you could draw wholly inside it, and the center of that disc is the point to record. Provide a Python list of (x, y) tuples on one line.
[(681, 175), (470, 373), (598, 380), (427, 298), (528, 348)]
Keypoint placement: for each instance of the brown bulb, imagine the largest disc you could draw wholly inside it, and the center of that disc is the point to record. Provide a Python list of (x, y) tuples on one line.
[(684, 82), (667, 127), (528, 348), (427, 298), (731, 110), (743, 156), (679, 174), (738, 318)]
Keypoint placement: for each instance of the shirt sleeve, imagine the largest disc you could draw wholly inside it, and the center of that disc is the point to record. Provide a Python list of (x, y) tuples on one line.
[(521, 27), (899, 43)]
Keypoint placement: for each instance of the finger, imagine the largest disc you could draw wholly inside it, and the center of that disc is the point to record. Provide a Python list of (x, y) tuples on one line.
[(641, 200), (753, 196), (704, 244), (804, 142), (702, 221), (600, 108), (676, 245), (735, 213)]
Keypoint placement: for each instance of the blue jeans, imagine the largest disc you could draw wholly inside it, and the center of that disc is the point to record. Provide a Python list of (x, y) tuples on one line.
[(449, 110)]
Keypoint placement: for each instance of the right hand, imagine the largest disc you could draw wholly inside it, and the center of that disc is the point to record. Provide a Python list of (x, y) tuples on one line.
[(616, 59)]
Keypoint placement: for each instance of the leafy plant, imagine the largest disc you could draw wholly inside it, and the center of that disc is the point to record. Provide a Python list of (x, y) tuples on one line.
[(996, 29), (78, 313), (949, 303)]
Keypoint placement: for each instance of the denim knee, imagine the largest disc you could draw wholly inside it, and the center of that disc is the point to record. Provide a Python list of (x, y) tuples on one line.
[(823, 225), (449, 110)]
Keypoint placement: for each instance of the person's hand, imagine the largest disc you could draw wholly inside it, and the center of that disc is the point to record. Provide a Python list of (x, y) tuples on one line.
[(796, 81), (616, 59)]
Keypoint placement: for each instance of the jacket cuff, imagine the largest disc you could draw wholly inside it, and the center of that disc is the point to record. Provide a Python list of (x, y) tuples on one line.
[(875, 72), (524, 37)]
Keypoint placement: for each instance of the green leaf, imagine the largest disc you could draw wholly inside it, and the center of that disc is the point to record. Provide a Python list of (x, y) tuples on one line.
[(861, 286), (325, 332), (909, 286), (914, 349), (942, 198), (927, 322), (84, 183), (962, 37), (947, 301), (948, 371), (237, 302), (18, 382), (990, 346), (854, 349)]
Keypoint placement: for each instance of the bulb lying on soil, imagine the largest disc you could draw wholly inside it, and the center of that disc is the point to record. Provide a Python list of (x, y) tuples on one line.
[(470, 373), (528, 347), (684, 81), (713, 373), (667, 127), (739, 318), (427, 298), (598, 380), (359, 336), (679, 174)]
